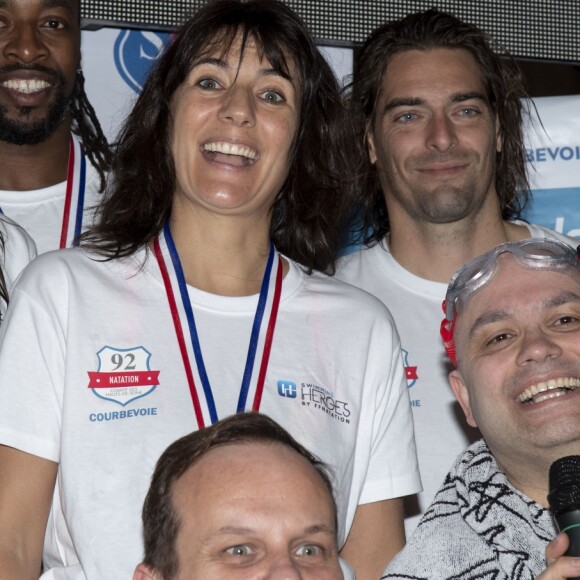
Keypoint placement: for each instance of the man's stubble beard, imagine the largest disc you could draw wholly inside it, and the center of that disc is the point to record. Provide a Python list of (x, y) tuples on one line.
[(21, 132)]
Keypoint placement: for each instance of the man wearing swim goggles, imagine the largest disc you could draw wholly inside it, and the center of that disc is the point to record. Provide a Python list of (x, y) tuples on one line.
[(512, 329), (534, 253)]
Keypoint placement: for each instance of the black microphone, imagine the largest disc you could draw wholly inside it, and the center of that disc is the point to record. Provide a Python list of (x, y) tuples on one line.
[(564, 499)]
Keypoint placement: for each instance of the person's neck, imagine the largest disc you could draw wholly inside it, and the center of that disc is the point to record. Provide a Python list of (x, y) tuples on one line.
[(224, 256), (27, 167), (529, 474), (436, 251)]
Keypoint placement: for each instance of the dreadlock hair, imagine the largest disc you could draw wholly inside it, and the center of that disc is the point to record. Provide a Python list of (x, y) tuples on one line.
[(505, 90), (87, 127)]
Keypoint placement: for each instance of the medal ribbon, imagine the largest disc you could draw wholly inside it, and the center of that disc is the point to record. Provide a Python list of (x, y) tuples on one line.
[(75, 182), (270, 293)]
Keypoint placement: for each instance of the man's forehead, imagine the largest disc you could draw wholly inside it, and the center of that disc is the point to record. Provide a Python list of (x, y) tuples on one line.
[(246, 458), (437, 65), (515, 288)]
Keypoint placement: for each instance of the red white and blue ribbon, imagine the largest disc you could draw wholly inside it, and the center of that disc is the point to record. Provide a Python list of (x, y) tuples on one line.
[(74, 199), (72, 215), (261, 337)]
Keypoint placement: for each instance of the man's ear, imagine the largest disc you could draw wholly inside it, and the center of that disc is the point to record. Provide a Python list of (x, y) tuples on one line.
[(144, 572), (460, 391), (370, 143)]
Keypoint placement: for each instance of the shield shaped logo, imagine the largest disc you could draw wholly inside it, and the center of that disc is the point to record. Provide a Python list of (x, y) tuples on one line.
[(410, 372), (135, 52), (123, 375)]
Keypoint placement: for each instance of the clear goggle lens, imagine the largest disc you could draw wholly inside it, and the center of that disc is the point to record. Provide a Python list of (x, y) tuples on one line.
[(535, 253)]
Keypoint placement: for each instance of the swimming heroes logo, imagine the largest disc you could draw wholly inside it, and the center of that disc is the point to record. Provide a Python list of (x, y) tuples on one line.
[(316, 397)]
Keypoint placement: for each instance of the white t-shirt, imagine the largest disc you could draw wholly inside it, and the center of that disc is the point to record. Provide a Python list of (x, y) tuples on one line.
[(19, 250), (335, 381), (441, 432), (40, 211)]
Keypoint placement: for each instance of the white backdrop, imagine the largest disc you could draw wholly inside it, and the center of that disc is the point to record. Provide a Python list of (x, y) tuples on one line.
[(116, 63), (553, 153)]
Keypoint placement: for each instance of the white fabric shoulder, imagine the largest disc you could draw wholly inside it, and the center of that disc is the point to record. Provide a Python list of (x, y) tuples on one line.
[(373, 267), (40, 211), (537, 231), (356, 296)]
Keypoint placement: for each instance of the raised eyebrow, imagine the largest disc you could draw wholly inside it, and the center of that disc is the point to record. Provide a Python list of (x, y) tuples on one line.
[(462, 97), (486, 318), (233, 530), (318, 528), (272, 72), (219, 62), (563, 299), (408, 102), (493, 316), (211, 60), (239, 531)]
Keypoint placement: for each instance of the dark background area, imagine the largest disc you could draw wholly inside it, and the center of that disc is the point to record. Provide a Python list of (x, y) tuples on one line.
[(544, 35), (548, 79)]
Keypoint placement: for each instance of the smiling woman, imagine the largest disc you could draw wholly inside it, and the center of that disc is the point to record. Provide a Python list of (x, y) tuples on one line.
[(202, 292), (235, 119), (260, 85)]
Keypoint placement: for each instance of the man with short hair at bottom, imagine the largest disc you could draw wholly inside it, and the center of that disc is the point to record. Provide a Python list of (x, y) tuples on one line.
[(240, 499), (512, 325), (53, 153), (440, 117)]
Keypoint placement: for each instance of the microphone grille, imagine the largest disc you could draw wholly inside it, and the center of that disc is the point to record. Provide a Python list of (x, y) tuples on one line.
[(564, 493)]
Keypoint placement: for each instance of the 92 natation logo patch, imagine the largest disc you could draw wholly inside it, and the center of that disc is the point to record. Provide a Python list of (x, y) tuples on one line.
[(123, 375)]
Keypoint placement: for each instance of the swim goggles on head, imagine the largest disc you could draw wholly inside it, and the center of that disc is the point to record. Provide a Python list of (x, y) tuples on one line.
[(533, 253)]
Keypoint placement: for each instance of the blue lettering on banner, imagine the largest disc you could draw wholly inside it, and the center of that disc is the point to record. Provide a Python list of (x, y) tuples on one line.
[(542, 154), (287, 389), (118, 415)]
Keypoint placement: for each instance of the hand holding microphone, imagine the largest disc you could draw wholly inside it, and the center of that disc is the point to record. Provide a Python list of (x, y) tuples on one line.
[(560, 567), (564, 499)]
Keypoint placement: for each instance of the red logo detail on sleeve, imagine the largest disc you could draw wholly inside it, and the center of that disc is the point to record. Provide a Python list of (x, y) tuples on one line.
[(127, 379), (411, 373)]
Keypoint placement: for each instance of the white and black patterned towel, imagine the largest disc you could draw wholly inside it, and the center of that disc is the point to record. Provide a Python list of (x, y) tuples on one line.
[(478, 527)]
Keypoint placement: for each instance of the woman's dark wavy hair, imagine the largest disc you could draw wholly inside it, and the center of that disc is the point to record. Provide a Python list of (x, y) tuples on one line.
[(3, 287), (309, 211), (505, 90), (161, 523)]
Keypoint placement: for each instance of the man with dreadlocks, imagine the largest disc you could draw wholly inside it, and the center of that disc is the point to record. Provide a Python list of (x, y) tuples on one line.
[(47, 125)]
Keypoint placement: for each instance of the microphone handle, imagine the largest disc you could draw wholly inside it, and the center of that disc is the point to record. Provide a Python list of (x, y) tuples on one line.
[(569, 522)]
